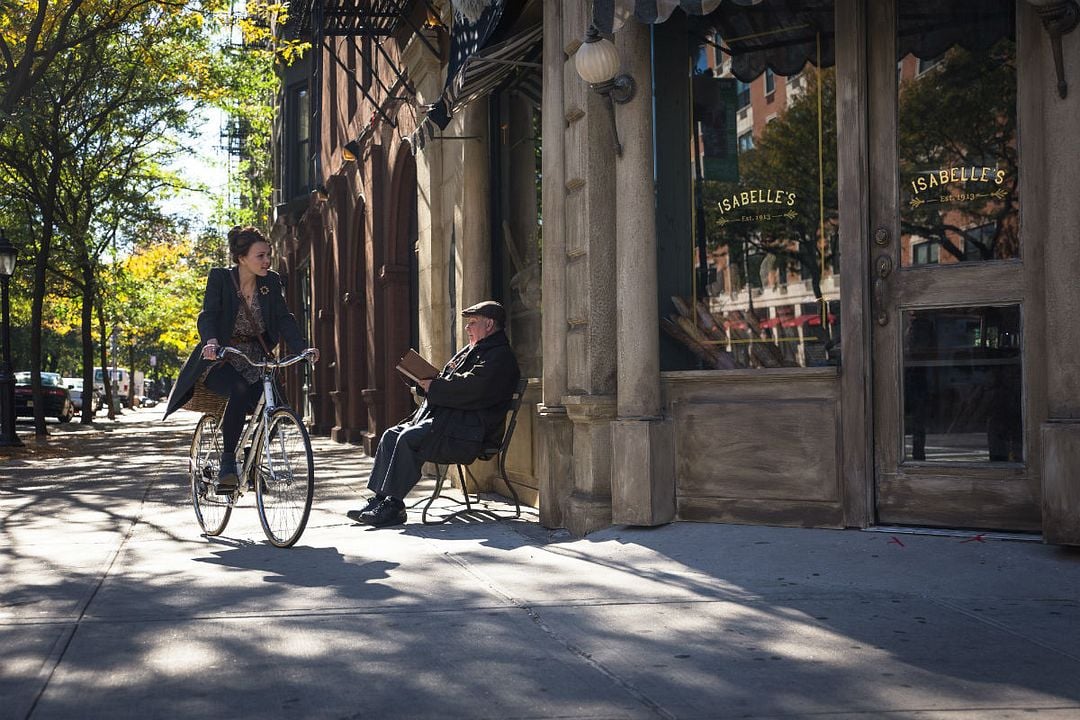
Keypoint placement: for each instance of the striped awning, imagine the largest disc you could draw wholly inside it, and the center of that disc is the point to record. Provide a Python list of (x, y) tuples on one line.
[(479, 74), (609, 15), (488, 68), (783, 36)]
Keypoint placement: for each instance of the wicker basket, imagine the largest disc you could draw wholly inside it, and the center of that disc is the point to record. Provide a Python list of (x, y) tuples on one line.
[(206, 401)]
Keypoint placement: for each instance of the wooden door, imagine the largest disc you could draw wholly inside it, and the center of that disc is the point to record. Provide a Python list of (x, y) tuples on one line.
[(946, 257)]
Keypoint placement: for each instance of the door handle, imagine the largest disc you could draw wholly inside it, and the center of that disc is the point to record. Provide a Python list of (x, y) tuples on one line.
[(883, 267)]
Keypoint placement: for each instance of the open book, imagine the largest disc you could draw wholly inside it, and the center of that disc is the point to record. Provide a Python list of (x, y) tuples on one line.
[(413, 366)]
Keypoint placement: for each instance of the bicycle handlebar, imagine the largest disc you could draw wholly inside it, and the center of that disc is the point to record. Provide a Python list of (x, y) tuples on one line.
[(306, 355)]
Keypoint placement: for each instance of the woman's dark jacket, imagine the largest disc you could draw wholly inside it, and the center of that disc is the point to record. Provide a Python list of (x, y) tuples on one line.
[(221, 303), (468, 401)]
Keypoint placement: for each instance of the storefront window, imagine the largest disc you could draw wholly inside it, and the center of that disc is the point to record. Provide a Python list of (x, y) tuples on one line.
[(957, 133), (762, 158), (520, 224)]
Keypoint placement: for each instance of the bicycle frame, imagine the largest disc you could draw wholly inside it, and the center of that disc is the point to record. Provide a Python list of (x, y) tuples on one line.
[(255, 431), (284, 478)]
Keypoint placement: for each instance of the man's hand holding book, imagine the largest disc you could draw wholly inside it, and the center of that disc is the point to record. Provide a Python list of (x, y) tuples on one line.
[(413, 366)]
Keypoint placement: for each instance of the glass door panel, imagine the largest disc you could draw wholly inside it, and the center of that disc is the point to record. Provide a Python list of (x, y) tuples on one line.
[(962, 385), (948, 294), (956, 110)]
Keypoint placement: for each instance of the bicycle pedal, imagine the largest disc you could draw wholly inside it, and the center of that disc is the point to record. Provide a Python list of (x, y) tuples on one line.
[(227, 490)]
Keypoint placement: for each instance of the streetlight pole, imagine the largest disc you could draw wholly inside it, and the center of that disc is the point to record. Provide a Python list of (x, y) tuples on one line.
[(8, 257)]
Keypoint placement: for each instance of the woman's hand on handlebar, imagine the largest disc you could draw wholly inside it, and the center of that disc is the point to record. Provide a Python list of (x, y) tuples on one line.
[(313, 353), (211, 349)]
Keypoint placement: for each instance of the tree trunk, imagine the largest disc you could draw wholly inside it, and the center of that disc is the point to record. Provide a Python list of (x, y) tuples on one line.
[(88, 342), (106, 379), (131, 378), (48, 212)]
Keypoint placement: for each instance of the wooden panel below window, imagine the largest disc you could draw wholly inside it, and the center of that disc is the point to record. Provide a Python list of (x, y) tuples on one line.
[(745, 455)]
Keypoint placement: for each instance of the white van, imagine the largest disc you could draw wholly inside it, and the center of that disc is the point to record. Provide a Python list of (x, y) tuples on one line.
[(119, 376)]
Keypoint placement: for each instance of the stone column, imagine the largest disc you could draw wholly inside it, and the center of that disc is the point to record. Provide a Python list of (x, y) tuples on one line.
[(475, 231), (643, 467), (554, 431), (1051, 227), (426, 74), (589, 158), (347, 197)]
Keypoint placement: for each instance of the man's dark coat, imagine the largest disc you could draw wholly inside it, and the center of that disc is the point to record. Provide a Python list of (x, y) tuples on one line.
[(468, 401), (218, 317)]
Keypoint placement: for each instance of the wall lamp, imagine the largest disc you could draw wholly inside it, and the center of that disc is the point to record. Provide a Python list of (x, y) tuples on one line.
[(1059, 17), (597, 63), (351, 151)]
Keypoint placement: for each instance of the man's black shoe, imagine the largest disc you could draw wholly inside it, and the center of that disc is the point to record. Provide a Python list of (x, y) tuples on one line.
[(388, 512), (372, 503)]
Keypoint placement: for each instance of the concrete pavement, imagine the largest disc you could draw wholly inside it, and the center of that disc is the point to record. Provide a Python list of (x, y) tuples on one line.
[(113, 606)]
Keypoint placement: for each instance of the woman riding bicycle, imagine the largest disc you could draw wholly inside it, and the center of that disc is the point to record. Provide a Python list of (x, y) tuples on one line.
[(243, 307)]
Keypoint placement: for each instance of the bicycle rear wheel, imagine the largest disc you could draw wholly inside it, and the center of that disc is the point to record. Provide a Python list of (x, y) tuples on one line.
[(211, 510), (285, 479)]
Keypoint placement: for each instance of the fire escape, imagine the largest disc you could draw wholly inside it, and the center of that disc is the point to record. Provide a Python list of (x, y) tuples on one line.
[(366, 26)]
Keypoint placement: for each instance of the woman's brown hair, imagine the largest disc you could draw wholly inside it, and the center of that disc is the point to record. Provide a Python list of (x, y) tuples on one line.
[(241, 239)]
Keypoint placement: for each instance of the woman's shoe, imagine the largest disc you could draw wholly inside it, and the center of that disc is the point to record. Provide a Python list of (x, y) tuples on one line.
[(227, 480)]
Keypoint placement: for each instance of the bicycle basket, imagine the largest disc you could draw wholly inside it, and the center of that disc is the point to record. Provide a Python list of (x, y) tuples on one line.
[(206, 401)]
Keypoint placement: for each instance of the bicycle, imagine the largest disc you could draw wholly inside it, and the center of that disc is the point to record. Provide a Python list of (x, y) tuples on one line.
[(277, 463)]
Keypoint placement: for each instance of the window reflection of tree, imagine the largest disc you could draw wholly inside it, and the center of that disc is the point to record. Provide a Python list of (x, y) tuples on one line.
[(963, 115), (784, 158)]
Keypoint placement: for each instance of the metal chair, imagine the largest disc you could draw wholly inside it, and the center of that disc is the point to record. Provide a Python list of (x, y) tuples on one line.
[(499, 453)]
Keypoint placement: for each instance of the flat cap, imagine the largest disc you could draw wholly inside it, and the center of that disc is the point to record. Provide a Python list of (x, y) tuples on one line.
[(488, 309)]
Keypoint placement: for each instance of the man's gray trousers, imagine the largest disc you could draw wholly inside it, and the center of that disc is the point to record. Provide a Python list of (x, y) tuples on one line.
[(398, 462)]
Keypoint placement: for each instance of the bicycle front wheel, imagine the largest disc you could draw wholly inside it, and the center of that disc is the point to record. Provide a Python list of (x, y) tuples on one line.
[(285, 479), (211, 510)]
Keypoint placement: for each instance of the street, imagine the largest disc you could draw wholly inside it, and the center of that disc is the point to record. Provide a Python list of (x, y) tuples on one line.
[(113, 606)]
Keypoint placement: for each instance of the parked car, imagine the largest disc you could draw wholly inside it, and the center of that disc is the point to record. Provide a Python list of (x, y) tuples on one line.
[(56, 397), (75, 389)]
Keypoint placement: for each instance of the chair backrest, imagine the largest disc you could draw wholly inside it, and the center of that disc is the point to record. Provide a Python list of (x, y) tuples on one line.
[(515, 405)]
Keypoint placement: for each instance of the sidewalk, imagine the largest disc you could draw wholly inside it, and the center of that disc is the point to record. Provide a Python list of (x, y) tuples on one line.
[(113, 606)]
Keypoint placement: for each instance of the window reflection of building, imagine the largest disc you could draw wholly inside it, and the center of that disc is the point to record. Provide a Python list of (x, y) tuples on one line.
[(743, 94), (924, 252), (927, 64)]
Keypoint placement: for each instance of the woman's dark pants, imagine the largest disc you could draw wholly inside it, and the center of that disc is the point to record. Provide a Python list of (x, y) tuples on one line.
[(243, 396)]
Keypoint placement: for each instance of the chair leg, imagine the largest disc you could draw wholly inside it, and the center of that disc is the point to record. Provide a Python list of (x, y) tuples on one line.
[(464, 486), (440, 478), (506, 481), (510, 487)]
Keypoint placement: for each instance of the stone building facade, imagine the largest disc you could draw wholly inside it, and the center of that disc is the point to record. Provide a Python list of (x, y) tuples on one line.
[(948, 400)]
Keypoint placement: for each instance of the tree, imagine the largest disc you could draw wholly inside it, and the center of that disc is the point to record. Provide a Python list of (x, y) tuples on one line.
[(34, 34), (243, 82), (97, 105), (90, 88)]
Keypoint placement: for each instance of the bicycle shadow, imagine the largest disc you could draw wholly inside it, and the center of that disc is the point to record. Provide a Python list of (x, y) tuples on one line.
[(323, 568)]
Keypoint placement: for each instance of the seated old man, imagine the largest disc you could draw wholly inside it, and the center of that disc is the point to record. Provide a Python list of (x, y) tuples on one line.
[(464, 411)]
